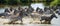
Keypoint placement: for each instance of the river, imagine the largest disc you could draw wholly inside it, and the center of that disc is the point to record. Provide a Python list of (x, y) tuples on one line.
[(54, 22)]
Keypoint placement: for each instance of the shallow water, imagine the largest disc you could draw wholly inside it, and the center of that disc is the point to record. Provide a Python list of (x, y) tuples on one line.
[(54, 22)]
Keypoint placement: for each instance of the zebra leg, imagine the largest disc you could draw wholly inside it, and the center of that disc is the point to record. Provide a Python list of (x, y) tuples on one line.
[(49, 22), (41, 21), (12, 22), (21, 21)]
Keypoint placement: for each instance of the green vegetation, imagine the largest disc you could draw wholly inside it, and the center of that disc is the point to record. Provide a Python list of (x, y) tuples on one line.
[(55, 3), (28, 2), (48, 2)]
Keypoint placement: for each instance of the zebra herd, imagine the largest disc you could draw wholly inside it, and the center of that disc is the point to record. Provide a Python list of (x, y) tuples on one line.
[(18, 14)]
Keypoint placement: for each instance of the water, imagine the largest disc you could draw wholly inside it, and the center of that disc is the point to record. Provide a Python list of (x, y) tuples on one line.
[(54, 22), (35, 5), (2, 10)]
